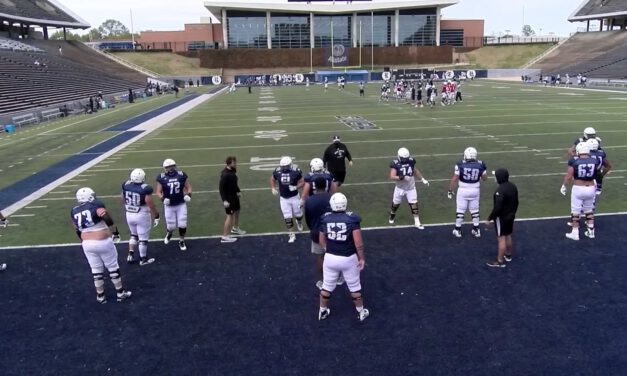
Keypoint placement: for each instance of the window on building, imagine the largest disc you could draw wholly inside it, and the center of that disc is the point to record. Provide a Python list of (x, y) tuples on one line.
[(417, 27), (290, 30), (376, 29), (452, 37), (331, 30), (246, 29)]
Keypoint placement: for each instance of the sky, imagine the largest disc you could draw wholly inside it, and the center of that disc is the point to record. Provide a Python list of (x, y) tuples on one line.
[(544, 16)]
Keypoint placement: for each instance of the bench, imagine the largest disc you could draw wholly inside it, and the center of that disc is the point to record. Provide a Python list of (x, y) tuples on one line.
[(48, 114), (25, 119)]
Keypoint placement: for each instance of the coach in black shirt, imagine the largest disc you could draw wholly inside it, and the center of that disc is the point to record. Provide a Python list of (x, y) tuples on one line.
[(230, 193), (503, 215), (334, 157)]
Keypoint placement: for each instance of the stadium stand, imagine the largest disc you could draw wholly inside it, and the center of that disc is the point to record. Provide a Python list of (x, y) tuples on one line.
[(14, 45), (33, 10), (595, 54), (30, 80)]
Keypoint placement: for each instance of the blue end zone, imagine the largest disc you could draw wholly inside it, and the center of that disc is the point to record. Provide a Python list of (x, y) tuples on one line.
[(135, 121), (250, 308)]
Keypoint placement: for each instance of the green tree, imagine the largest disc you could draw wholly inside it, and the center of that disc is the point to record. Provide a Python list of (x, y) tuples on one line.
[(113, 29), (528, 31), (58, 35)]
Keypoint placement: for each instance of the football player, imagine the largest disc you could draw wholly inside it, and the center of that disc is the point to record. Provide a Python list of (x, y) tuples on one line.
[(581, 173), (95, 227), (285, 182), (141, 215), (4, 222), (340, 238), (588, 133), (403, 172), (317, 170), (175, 191), (361, 90), (603, 164), (469, 172)]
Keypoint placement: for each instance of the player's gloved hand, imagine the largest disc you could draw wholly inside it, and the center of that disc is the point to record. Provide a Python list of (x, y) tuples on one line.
[(275, 192), (563, 190), (116, 237), (293, 188), (450, 194), (226, 204), (425, 181), (408, 178), (350, 163), (187, 198), (166, 201), (4, 222)]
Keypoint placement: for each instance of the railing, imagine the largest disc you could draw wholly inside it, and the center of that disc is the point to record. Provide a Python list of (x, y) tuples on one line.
[(128, 64), (520, 40)]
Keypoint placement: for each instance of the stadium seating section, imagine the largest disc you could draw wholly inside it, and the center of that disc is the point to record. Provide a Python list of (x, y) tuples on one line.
[(594, 7), (596, 54), (78, 74), (37, 9)]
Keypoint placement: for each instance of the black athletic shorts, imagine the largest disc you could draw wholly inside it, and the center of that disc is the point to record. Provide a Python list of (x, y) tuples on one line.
[(504, 227), (234, 205), (339, 176)]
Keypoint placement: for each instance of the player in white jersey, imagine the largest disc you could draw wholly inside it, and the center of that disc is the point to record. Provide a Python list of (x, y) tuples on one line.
[(403, 172), (141, 215), (469, 172), (4, 222)]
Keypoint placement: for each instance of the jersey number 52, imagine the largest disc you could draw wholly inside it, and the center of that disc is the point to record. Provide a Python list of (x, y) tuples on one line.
[(337, 231)]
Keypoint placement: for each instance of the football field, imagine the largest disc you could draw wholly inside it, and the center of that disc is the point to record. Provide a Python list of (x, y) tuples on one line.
[(526, 129)]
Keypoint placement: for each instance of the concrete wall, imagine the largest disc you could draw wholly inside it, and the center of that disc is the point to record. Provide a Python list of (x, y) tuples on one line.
[(300, 57), (177, 40)]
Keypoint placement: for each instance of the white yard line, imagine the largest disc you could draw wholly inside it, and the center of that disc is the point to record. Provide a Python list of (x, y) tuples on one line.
[(306, 233)]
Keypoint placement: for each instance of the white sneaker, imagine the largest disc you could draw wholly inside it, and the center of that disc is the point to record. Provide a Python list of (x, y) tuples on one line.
[(182, 245), (167, 238), (292, 238), (299, 225), (237, 231), (419, 225), (572, 235), (363, 314), (569, 223), (124, 295), (319, 285), (3, 267), (102, 299), (146, 261), (589, 233), (130, 258), (457, 233), (227, 239), (476, 232), (324, 313)]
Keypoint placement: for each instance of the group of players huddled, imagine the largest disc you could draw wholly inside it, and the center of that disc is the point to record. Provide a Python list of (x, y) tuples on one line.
[(411, 92)]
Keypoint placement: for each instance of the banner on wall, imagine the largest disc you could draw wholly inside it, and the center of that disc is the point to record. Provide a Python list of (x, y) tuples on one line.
[(337, 56)]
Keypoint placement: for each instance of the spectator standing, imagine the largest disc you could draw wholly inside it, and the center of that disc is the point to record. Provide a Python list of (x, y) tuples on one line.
[(230, 194), (334, 159), (503, 215)]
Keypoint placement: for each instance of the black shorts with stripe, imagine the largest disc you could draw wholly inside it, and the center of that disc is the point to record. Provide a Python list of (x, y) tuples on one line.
[(504, 226), (234, 205)]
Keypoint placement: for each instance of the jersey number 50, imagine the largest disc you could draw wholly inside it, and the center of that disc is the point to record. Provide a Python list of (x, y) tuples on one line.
[(337, 231)]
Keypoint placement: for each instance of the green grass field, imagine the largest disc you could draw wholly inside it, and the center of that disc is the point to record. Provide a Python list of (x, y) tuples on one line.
[(526, 129)]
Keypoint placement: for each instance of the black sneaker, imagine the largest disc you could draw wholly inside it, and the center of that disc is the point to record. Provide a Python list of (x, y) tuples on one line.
[(167, 238), (495, 264), (182, 245), (392, 217), (508, 258)]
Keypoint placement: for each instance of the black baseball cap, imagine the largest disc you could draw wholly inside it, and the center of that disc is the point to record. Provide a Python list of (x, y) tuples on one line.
[(336, 138)]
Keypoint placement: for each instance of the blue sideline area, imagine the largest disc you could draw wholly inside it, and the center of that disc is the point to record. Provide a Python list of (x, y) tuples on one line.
[(27, 186), (250, 308)]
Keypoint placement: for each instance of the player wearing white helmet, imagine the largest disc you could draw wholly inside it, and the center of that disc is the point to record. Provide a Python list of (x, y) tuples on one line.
[(95, 227), (467, 177), (285, 182), (340, 237), (175, 191), (603, 164), (403, 172), (4, 222), (581, 173), (141, 215), (588, 133), (317, 170)]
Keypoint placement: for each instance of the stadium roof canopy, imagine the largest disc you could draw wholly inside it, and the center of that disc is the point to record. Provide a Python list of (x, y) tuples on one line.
[(597, 9), (321, 6), (40, 13)]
